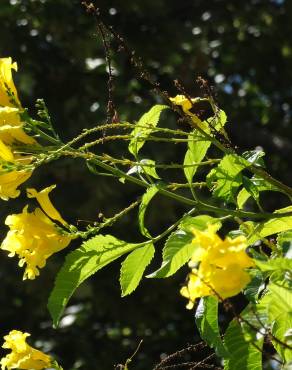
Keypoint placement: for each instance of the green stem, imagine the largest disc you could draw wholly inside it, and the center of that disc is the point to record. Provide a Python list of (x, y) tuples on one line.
[(201, 206), (175, 185), (252, 168), (41, 133), (227, 150), (130, 137), (108, 222), (128, 162), (173, 226)]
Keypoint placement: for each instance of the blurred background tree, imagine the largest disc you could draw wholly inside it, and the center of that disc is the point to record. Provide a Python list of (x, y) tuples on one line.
[(243, 49)]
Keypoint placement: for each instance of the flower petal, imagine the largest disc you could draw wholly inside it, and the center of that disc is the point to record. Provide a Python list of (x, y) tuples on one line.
[(11, 127), (5, 152), (22, 355), (6, 80), (44, 201)]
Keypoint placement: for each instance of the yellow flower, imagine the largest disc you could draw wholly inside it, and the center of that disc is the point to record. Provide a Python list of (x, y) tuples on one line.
[(222, 265), (22, 355), (11, 179), (220, 252), (46, 204), (6, 82), (186, 104), (10, 124), (11, 127), (34, 237), (194, 289)]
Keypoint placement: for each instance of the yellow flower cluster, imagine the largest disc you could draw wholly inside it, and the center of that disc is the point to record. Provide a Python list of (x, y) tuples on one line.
[(222, 265), (34, 237), (11, 131), (22, 355)]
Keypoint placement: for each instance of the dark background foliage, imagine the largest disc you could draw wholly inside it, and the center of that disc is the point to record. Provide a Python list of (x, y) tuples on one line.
[(244, 49)]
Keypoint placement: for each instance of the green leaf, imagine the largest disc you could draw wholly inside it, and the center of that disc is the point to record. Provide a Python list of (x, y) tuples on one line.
[(277, 264), (279, 301), (260, 230), (281, 326), (144, 127), (80, 264), (215, 122), (134, 266), (284, 244), (207, 323), (255, 287), (177, 251), (179, 247), (251, 188), (145, 166), (278, 305), (243, 354), (225, 179), (254, 157), (197, 149), (220, 120), (199, 222), (148, 195), (246, 192)]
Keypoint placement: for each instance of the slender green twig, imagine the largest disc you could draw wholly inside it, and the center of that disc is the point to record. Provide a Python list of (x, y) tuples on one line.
[(201, 206), (92, 230), (174, 185), (128, 162)]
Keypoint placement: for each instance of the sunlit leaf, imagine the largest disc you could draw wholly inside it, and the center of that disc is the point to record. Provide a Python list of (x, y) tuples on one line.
[(284, 243), (254, 157), (272, 226), (148, 195), (243, 354), (80, 264), (278, 304), (134, 266), (197, 149), (247, 191), (144, 127), (225, 179), (281, 326), (279, 301), (207, 323), (177, 251), (219, 119), (277, 264), (199, 222)]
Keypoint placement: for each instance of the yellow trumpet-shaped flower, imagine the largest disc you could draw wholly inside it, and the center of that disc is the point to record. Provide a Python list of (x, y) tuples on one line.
[(220, 252), (22, 355), (6, 82), (10, 179), (34, 237), (11, 127), (222, 263)]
